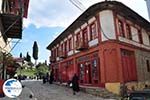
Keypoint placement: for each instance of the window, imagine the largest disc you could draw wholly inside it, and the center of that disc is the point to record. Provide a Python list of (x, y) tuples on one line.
[(85, 35), (148, 65), (54, 52), (78, 36), (149, 39), (121, 31), (128, 30), (93, 33), (78, 39), (140, 36), (70, 44), (62, 48), (57, 52), (81, 68), (94, 69), (12, 6), (65, 46)]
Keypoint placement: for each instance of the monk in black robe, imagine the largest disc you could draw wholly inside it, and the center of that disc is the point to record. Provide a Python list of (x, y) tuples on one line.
[(75, 84)]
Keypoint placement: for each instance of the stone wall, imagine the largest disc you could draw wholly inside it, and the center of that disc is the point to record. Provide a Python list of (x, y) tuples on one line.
[(142, 72)]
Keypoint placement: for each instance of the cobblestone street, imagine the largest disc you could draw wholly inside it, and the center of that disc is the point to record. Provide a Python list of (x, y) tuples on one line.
[(50, 92)]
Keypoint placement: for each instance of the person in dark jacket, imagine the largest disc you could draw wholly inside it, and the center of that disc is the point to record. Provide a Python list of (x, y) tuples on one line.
[(44, 79), (75, 84), (51, 77)]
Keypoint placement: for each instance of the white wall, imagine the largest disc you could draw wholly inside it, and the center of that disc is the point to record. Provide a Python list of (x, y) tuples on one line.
[(107, 25), (2, 42), (93, 42), (145, 38), (134, 33), (133, 43)]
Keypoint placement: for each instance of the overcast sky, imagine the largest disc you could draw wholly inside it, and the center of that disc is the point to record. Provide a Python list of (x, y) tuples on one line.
[(48, 18)]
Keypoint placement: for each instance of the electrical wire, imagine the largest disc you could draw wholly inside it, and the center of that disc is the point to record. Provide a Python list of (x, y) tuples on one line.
[(14, 46), (78, 5)]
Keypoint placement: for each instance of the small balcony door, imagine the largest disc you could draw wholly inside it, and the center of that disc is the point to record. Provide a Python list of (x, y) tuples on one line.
[(85, 36), (88, 78)]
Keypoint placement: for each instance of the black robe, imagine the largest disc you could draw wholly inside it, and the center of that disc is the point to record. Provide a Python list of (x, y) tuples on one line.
[(75, 84)]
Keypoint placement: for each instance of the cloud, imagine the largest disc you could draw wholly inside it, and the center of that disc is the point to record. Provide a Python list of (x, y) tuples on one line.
[(61, 13), (139, 6), (51, 13)]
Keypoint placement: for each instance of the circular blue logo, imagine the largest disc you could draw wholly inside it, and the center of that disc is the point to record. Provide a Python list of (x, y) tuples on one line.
[(12, 88)]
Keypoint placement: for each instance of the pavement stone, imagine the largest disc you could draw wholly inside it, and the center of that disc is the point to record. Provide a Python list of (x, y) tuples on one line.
[(48, 91)]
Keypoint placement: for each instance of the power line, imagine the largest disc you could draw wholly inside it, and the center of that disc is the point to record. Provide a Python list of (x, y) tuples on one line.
[(78, 4), (81, 7), (14, 46)]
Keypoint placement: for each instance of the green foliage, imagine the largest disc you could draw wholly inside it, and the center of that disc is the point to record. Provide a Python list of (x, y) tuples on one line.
[(35, 50), (27, 72), (42, 69)]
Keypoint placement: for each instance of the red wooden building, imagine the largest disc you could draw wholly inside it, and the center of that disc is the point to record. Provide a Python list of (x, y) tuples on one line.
[(108, 43)]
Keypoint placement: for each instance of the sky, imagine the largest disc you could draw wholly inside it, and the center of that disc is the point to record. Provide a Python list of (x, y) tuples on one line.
[(48, 18)]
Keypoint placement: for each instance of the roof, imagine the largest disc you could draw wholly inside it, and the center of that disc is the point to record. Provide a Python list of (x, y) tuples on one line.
[(118, 7)]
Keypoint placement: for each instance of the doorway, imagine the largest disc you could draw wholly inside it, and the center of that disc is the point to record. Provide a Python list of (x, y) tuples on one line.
[(87, 71)]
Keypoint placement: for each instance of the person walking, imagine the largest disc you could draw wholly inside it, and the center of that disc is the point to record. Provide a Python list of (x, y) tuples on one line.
[(51, 77), (44, 79), (75, 84)]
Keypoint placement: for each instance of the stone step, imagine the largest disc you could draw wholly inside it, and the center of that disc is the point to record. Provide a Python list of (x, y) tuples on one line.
[(102, 92)]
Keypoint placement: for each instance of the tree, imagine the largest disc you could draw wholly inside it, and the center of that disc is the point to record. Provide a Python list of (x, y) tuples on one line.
[(20, 55), (28, 57), (35, 52), (41, 69)]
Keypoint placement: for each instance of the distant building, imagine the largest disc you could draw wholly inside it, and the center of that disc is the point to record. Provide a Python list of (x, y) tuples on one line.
[(107, 46)]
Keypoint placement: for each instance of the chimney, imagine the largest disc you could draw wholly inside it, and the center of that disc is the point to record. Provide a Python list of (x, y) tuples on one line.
[(148, 7)]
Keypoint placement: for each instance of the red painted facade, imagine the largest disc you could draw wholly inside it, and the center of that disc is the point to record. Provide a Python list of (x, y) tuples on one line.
[(105, 62)]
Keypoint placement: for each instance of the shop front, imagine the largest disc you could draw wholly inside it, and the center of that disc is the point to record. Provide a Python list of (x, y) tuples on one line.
[(67, 70), (56, 71), (89, 69)]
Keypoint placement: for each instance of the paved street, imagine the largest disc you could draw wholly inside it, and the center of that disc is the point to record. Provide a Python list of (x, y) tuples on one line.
[(50, 92)]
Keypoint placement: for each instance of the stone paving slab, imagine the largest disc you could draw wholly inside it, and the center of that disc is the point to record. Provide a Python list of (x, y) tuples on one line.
[(48, 91), (24, 95)]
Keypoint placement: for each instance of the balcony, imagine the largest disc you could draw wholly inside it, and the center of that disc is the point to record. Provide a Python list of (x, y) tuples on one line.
[(52, 59), (12, 14), (81, 45), (62, 54)]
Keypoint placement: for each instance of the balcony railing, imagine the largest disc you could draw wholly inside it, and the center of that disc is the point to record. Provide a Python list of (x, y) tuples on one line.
[(14, 7), (62, 54), (81, 45), (52, 59)]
